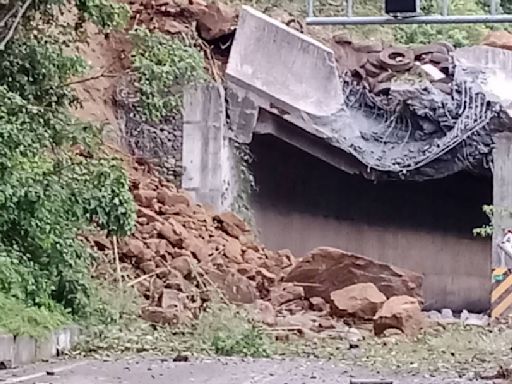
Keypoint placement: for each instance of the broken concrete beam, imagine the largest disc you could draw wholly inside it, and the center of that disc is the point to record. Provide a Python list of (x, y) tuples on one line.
[(267, 58)]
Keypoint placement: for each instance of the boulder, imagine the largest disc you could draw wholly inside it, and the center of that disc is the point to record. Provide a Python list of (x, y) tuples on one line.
[(498, 39), (183, 264), (171, 199), (145, 198), (198, 247), (174, 232), (216, 21), (361, 301), (133, 248), (148, 214), (162, 316), (402, 313), (318, 304), (284, 258), (233, 251), (326, 270), (237, 288), (263, 312), (285, 293), (231, 224)]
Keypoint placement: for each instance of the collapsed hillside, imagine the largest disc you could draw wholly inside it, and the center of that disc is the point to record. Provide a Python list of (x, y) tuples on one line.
[(182, 257)]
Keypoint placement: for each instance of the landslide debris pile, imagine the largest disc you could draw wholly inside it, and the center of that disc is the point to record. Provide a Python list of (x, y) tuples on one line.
[(182, 256)]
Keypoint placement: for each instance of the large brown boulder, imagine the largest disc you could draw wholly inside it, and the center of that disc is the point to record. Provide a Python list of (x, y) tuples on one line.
[(402, 313), (326, 270), (361, 301), (498, 39)]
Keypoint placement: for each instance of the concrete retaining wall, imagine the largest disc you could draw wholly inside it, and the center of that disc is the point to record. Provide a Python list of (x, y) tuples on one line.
[(21, 350), (209, 170)]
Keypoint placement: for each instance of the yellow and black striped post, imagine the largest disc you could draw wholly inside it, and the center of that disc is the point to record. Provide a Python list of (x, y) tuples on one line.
[(501, 296)]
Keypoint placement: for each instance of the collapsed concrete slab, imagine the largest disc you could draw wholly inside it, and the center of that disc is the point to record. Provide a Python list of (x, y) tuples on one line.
[(411, 131)]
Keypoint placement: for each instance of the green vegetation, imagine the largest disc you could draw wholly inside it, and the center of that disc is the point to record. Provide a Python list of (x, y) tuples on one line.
[(54, 180), (19, 319), (459, 35), (163, 66), (227, 331), (486, 230), (222, 330)]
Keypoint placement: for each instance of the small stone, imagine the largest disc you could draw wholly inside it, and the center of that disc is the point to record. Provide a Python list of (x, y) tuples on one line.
[(434, 316), (473, 319), (354, 337), (318, 304)]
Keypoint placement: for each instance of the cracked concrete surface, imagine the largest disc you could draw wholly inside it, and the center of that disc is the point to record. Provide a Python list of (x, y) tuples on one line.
[(213, 371)]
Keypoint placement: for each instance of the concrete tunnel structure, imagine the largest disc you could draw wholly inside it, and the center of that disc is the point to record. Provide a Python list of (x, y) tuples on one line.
[(316, 181)]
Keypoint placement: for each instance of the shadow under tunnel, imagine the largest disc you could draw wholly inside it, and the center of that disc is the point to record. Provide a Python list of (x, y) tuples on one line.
[(302, 203)]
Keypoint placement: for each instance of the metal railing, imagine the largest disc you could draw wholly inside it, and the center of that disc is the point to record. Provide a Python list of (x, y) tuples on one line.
[(443, 18)]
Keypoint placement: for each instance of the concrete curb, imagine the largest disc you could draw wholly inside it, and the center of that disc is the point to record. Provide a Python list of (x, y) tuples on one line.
[(21, 350)]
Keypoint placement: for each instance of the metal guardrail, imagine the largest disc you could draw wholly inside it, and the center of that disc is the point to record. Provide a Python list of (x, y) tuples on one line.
[(444, 18)]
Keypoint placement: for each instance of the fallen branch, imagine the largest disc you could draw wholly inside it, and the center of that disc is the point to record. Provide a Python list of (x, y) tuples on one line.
[(118, 266), (95, 77), (8, 16), (14, 25), (144, 277)]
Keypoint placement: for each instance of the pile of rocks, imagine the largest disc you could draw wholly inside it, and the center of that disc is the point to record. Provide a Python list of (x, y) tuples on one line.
[(211, 20), (182, 256), (358, 289)]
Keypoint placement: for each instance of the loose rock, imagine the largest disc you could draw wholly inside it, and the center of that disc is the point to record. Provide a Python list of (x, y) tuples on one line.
[(361, 301), (400, 312)]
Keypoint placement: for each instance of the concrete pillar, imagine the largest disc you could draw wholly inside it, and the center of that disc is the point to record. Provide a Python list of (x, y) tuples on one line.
[(207, 152), (501, 297)]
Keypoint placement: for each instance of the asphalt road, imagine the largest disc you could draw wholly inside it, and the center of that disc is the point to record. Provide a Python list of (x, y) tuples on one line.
[(215, 371)]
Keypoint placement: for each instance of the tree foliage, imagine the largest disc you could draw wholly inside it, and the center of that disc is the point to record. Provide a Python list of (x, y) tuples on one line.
[(458, 35), (163, 66), (54, 180)]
